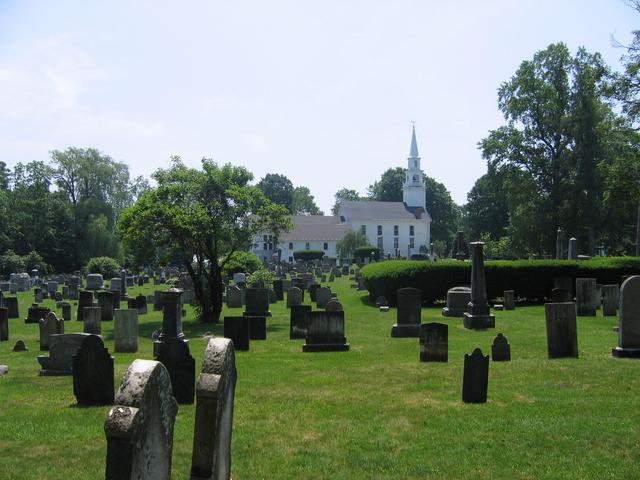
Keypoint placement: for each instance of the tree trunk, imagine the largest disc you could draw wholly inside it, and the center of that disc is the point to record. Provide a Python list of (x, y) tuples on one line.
[(638, 233), (215, 295)]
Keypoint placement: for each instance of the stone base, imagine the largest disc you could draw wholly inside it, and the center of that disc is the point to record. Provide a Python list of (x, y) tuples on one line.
[(325, 347), (405, 331), (247, 313), (452, 312), (620, 352), (479, 322), (55, 373)]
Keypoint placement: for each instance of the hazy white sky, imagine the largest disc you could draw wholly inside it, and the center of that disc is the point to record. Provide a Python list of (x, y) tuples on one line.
[(323, 92)]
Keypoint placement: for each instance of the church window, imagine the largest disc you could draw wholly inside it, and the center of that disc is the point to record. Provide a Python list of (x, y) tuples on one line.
[(411, 231), (411, 243), (380, 243), (306, 246), (264, 238), (363, 229), (395, 242), (395, 229), (415, 178), (270, 246), (290, 245), (326, 246), (264, 246), (379, 229)]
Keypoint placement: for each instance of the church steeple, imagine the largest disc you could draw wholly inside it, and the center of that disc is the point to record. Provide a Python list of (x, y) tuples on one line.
[(414, 190)]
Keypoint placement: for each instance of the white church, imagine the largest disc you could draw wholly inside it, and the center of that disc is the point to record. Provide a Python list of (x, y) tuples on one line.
[(397, 228)]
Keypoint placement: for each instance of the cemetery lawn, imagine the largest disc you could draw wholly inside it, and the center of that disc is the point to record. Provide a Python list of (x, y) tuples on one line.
[(374, 412)]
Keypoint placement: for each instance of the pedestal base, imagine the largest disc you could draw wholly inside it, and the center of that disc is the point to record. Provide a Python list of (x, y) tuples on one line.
[(620, 352), (479, 322), (325, 347), (405, 331), (452, 312)]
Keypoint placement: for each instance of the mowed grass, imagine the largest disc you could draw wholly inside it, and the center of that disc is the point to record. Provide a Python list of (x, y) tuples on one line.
[(374, 412)]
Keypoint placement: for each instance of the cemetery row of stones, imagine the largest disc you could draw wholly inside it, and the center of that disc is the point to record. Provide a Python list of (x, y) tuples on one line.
[(533, 280)]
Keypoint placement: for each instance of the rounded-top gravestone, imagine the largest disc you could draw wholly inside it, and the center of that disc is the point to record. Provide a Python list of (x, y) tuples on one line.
[(94, 281)]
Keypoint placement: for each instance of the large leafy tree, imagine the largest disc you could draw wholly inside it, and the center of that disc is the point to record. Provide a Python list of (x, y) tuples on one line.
[(626, 84), (344, 194), (277, 188), (204, 217), (303, 203)]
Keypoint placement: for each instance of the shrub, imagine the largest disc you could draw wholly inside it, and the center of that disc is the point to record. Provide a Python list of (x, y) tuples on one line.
[(106, 266), (307, 255), (242, 262), (264, 276), (11, 262), (365, 252), (531, 279)]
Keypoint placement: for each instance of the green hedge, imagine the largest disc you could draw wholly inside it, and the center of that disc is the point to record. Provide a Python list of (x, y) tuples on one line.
[(361, 253), (106, 266), (531, 279), (307, 255)]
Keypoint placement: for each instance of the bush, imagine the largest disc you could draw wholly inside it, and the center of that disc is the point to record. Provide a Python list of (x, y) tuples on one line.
[(106, 266), (242, 262), (263, 276), (308, 255), (531, 279), (11, 262), (365, 252)]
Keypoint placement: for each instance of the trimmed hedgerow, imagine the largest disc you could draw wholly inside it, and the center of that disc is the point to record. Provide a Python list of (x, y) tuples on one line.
[(361, 253), (307, 255), (531, 279)]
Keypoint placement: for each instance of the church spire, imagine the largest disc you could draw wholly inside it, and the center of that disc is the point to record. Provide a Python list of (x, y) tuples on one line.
[(413, 152), (414, 189)]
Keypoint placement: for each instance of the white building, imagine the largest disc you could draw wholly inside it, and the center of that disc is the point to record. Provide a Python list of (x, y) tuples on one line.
[(397, 228)]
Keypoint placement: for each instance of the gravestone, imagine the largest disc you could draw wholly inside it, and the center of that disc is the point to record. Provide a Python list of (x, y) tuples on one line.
[(273, 298), (477, 316), (50, 325), (114, 284), (434, 342), (560, 295), (171, 318), (86, 300), (234, 297), (61, 351), (38, 296), (141, 304), (66, 310), (257, 303), (123, 283), (294, 297), (323, 296), (500, 350), (409, 313), (313, 288), (94, 282), (20, 346), (610, 300), (562, 339), (586, 297), (629, 324), (559, 244), (215, 393), (572, 253), (35, 313), (116, 300), (74, 292), (237, 330), (325, 332), (174, 355), (91, 320), (105, 300), (132, 304), (298, 321), (257, 328), (157, 300), (278, 288), (509, 300), (334, 306), (93, 373), (239, 278), (381, 302), (125, 331), (52, 288), (4, 324), (457, 302), (11, 303), (475, 380), (139, 428)]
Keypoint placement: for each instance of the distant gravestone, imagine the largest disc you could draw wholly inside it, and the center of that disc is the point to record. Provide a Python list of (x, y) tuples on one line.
[(257, 328), (475, 380), (141, 304), (572, 253), (509, 300), (409, 312), (215, 393), (105, 300), (86, 300), (313, 289), (157, 300), (382, 302), (139, 429), (174, 355), (478, 315), (458, 299), (93, 373), (294, 297), (562, 338), (586, 297), (35, 313), (61, 351), (50, 325), (237, 330), (334, 306), (125, 331), (500, 350), (610, 300), (91, 320), (20, 346), (560, 295), (325, 332), (4, 324), (629, 324), (298, 321), (115, 284), (234, 297), (94, 281), (323, 296), (278, 287), (257, 303), (434, 342), (66, 310), (11, 303)]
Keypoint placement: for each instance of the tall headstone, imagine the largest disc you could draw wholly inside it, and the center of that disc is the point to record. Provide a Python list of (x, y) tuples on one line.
[(35, 313), (91, 320), (629, 324), (237, 330), (278, 287), (234, 297), (141, 304), (123, 283), (215, 393), (434, 342), (298, 321), (325, 332), (586, 297), (457, 302), (562, 338), (11, 303), (500, 350), (409, 313), (105, 300), (61, 351), (257, 303), (323, 296), (478, 315), (66, 310), (509, 300), (171, 316), (572, 253), (294, 297), (50, 325), (559, 244), (94, 281), (139, 428), (475, 380), (4, 324), (610, 300), (86, 300), (125, 331), (93, 373), (174, 355)]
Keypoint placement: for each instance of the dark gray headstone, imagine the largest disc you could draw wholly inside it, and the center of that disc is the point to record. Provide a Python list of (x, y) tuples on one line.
[(93, 373), (475, 378), (11, 303), (409, 313), (85, 300), (278, 288), (313, 288), (35, 313), (434, 342), (4, 324), (237, 329), (174, 355), (105, 301), (325, 332), (257, 303), (586, 297), (509, 300), (141, 304), (562, 338), (91, 320), (610, 300), (457, 302), (61, 351), (20, 346), (560, 295), (500, 350), (629, 325), (478, 316), (299, 325), (257, 328), (295, 296), (234, 297)]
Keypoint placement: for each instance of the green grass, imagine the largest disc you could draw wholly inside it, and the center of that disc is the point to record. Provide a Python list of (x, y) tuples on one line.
[(375, 412)]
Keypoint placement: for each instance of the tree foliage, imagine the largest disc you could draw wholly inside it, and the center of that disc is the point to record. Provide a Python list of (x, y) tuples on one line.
[(347, 245), (344, 194)]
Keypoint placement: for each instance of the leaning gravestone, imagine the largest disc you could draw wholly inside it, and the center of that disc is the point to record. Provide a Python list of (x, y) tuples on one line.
[(475, 380), (125, 331), (174, 355), (94, 281), (610, 300), (586, 297), (50, 325), (257, 303), (562, 338), (105, 300), (509, 300), (11, 303), (93, 373), (234, 297), (629, 325), (91, 320), (215, 392), (139, 429), (298, 321), (409, 302), (61, 351), (294, 297), (434, 342), (457, 302), (500, 350), (237, 329), (325, 332), (4, 324)]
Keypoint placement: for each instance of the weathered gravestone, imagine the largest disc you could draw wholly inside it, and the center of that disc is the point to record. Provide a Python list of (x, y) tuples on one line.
[(500, 350), (91, 320), (123, 283), (257, 328), (457, 302), (273, 298), (294, 297), (629, 324), (475, 380), (139, 429), (334, 306), (93, 373), (35, 313), (313, 289), (610, 300), (409, 302), (20, 346), (323, 296), (509, 300), (141, 304), (237, 330), (434, 342), (11, 303), (105, 300), (562, 338), (50, 325), (560, 295), (298, 321), (257, 303), (278, 287), (171, 318), (125, 331), (325, 332), (586, 297), (4, 324), (234, 297), (116, 300), (215, 392), (86, 300), (94, 282), (478, 316), (157, 300), (66, 310), (381, 302), (62, 348), (174, 355), (572, 253)]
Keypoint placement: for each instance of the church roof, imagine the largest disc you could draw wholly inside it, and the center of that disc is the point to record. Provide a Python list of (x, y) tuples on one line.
[(366, 210), (315, 227), (413, 151)]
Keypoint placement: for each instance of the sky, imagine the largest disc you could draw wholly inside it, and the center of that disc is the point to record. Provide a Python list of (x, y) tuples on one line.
[(323, 92)]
